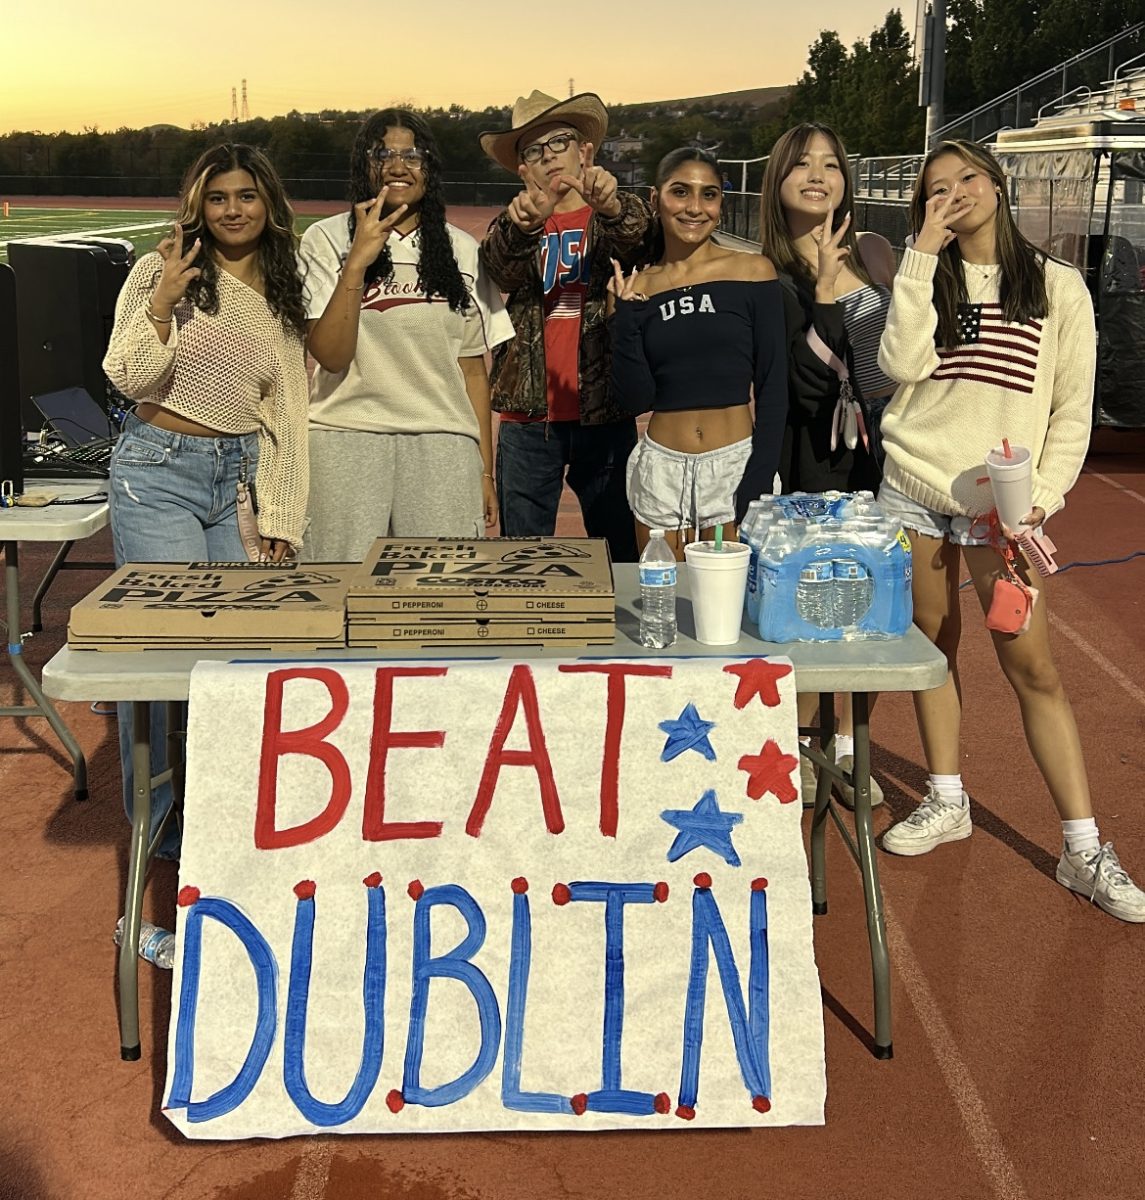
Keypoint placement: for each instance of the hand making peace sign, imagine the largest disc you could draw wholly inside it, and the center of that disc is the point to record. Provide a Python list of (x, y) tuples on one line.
[(621, 286), (372, 229), (832, 253), (177, 272), (942, 210)]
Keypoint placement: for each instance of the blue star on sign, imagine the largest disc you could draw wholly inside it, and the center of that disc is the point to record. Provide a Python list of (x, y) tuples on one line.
[(688, 732), (704, 825)]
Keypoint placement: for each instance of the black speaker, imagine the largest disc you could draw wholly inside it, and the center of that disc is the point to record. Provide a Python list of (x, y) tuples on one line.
[(11, 426), (65, 300)]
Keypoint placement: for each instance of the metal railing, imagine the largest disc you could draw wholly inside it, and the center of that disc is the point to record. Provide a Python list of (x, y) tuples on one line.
[(1018, 105)]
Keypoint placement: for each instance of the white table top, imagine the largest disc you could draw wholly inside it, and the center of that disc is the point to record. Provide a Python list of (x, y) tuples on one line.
[(57, 522), (904, 664)]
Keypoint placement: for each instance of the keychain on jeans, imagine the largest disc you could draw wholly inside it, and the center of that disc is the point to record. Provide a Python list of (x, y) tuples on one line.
[(245, 511)]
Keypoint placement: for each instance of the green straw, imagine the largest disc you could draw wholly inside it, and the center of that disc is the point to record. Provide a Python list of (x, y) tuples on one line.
[(719, 539)]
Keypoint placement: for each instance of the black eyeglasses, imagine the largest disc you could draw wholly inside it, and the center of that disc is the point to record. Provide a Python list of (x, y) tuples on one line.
[(414, 159), (558, 144)]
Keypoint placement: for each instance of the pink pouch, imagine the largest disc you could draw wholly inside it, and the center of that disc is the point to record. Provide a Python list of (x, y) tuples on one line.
[(1011, 607)]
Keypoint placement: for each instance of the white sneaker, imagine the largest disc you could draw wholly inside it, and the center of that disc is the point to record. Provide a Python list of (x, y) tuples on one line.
[(932, 823), (846, 793), (1100, 877)]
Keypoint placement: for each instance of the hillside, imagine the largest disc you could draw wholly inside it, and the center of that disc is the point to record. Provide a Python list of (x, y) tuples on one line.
[(748, 97)]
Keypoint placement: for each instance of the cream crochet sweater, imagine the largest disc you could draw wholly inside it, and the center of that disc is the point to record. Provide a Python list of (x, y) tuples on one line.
[(238, 371)]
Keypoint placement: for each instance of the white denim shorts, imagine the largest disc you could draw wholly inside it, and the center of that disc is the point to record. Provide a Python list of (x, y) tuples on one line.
[(927, 521), (673, 490)]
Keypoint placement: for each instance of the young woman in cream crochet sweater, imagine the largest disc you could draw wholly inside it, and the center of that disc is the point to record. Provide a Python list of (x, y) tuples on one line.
[(208, 340)]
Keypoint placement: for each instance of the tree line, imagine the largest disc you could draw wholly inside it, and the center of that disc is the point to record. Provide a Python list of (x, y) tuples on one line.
[(868, 92)]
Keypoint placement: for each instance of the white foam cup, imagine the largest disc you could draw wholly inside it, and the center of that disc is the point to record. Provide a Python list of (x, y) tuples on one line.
[(1010, 479), (718, 580)]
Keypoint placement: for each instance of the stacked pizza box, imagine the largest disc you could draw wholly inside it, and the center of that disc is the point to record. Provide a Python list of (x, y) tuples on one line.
[(488, 591), (218, 606)]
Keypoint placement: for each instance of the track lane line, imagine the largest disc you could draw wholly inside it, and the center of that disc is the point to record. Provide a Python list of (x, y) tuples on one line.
[(1114, 484), (313, 1171), (989, 1147)]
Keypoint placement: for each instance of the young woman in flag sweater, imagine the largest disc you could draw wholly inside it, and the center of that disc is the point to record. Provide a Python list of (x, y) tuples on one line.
[(989, 339)]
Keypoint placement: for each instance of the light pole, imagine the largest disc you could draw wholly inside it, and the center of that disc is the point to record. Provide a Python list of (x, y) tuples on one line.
[(932, 67)]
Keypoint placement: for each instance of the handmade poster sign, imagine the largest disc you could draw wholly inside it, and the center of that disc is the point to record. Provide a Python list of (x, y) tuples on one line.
[(450, 895)]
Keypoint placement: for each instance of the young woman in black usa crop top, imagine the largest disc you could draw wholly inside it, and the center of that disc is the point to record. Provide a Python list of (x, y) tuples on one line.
[(695, 336)]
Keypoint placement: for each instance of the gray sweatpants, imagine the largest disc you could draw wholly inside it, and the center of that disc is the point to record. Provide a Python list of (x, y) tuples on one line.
[(369, 485)]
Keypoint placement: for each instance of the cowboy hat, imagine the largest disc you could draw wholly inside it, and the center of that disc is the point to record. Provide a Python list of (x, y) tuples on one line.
[(585, 113)]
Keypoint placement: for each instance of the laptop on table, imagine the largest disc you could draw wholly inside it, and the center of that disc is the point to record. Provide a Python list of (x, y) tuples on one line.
[(77, 438)]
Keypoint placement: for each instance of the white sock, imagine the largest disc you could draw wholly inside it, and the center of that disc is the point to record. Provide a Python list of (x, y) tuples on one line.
[(844, 745), (948, 788), (1081, 837)]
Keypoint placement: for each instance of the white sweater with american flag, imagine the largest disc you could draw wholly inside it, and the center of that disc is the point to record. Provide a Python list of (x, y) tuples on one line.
[(1031, 383)]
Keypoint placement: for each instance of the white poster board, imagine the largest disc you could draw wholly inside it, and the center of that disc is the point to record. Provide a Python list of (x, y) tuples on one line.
[(474, 895)]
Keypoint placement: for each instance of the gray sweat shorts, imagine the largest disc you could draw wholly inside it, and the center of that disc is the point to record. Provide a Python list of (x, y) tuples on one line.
[(673, 490)]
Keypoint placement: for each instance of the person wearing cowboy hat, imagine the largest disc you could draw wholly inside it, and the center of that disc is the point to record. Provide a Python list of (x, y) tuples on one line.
[(550, 251)]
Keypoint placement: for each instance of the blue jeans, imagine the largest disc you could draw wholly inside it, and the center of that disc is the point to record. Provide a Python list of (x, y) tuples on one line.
[(532, 457), (172, 499)]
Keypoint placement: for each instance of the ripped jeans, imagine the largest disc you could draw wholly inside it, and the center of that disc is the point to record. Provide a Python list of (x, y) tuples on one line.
[(172, 499)]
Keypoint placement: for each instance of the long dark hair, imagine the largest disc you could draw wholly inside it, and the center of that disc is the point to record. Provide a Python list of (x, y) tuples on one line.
[(1023, 281), (774, 233), (437, 271), (277, 257), (664, 169)]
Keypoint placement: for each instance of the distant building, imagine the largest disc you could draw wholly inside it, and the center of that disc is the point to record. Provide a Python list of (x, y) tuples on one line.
[(624, 145)]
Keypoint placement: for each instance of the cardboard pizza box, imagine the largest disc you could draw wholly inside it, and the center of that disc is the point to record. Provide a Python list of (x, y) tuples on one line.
[(537, 578), (463, 630), (237, 604)]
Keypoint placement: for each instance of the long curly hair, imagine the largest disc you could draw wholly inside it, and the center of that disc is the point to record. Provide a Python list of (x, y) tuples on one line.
[(664, 169), (437, 271), (1023, 277), (774, 232), (277, 248)]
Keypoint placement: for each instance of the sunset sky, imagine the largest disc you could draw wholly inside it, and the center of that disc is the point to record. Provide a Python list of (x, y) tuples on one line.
[(68, 64)]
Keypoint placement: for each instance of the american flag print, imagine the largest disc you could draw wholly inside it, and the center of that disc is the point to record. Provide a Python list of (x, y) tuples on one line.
[(991, 350)]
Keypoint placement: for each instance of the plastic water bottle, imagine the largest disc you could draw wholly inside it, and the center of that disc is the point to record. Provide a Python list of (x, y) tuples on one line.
[(854, 590), (815, 594), (657, 592), (155, 944), (750, 532)]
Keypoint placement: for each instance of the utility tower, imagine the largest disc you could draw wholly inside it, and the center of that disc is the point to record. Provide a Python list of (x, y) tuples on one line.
[(234, 107), (571, 91), (246, 107)]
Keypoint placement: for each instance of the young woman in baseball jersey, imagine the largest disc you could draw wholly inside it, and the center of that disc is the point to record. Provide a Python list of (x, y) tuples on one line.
[(400, 319)]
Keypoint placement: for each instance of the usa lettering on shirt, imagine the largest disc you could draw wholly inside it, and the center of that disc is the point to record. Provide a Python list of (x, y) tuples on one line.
[(686, 305), (992, 350), (563, 265)]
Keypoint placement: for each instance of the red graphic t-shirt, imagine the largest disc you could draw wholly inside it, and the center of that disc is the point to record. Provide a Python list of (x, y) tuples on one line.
[(564, 277)]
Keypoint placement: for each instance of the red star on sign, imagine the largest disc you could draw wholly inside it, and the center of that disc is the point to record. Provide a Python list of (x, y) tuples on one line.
[(758, 677), (770, 771)]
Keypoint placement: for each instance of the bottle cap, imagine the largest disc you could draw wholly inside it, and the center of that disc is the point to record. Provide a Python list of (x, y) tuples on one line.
[(656, 533)]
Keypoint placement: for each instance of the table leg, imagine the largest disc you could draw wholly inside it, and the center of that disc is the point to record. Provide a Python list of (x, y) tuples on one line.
[(176, 743), (45, 583), (41, 705), (129, 1047), (864, 835), (822, 800)]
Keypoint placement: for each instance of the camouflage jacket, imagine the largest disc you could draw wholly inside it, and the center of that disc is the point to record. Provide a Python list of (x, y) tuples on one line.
[(512, 259)]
